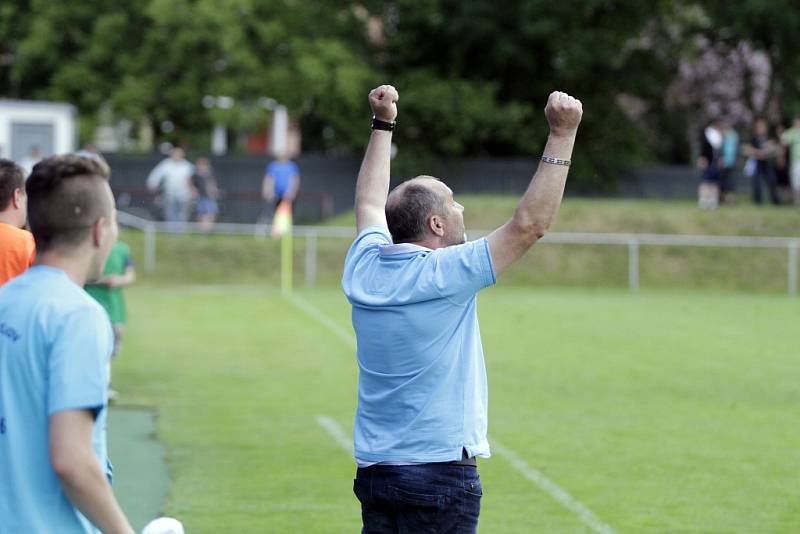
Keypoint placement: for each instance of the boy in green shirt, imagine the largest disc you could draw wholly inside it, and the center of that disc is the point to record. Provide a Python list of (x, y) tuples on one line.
[(107, 290)]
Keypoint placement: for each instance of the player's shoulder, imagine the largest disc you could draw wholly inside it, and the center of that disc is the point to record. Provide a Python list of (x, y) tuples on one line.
[(50, 293), (17, 235), (54, 286), (372, 236), (78, 307), (365, 249)]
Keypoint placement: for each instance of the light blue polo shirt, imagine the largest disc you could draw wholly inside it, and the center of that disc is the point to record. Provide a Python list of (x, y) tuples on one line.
[(422, 393), (55, 345)]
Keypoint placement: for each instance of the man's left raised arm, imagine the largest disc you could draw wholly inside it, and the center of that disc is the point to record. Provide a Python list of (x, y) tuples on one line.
[(372, 187)]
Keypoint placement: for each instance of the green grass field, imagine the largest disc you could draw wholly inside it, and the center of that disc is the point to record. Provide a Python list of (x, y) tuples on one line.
[(659, 412)]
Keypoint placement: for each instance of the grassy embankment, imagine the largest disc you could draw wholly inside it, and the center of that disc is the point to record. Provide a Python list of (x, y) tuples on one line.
[(247, 259)]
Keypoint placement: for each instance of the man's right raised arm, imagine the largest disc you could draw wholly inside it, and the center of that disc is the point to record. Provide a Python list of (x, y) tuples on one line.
[(372, 187), (538, 206)]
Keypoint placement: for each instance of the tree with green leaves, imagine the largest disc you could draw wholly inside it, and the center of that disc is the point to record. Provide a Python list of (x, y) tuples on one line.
[(154, 61)]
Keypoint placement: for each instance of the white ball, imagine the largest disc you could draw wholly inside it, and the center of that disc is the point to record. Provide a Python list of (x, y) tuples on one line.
[(163, 525)]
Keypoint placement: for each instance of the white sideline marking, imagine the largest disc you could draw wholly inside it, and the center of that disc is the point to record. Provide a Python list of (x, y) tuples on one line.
[(326, 321), (336, 432), (552, 489), (542, 482)]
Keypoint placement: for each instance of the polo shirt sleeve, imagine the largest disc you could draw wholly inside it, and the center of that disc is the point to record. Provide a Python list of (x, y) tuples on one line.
[(460, 271), (365, 247), (78, 362)]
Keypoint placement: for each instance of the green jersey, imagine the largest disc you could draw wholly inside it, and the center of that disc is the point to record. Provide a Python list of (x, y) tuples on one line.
[(791, 137), (111, 297)]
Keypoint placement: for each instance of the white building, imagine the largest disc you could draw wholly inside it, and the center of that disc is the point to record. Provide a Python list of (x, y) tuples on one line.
[(28, 127)]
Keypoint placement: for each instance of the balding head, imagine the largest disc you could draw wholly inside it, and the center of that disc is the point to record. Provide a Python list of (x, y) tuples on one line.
[(409, 207)]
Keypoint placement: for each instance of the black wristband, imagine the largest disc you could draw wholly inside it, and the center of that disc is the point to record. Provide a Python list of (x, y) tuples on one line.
[(378, 124)]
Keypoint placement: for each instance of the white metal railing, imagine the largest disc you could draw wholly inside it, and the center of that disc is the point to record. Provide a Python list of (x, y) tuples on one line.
[(632, 241)]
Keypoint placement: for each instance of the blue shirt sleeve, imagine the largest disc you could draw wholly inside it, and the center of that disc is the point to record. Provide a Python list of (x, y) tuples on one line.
[(365, 247), (78, 361), (460, 271)]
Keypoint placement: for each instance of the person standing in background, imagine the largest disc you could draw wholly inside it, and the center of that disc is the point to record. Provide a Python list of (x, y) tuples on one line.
[(205, 188), (791, 139), (763, 150), (17, 249), (728, 157), (107, 290), (710, 164), (281, 182), (782, 167), (173, 176)]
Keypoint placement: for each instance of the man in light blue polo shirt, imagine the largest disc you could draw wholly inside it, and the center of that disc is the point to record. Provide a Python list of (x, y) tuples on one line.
[(412, 280), (55, 345)]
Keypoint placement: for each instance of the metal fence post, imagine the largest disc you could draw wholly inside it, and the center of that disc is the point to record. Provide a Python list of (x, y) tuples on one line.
[(633, 265), (150, 248), (311, 258), (792, 268)]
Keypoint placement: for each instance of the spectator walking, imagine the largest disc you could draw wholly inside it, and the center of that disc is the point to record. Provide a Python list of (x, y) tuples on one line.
[(118, 273), (412, 280), (791, 139), (17, 249), (763, 150), (206, 192), (55, 344), (172, 177)]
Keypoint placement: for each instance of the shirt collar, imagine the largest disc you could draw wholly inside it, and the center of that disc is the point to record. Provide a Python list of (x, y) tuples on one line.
[(401, 248)]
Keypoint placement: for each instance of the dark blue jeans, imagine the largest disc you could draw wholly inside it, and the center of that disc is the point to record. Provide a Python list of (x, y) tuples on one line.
[(415, 499)]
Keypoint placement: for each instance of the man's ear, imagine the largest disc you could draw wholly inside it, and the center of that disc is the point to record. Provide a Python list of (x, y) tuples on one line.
[(18, 200), (436, 225), (100, 231)]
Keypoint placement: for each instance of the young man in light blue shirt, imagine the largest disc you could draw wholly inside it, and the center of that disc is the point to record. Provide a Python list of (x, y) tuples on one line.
[(55, 345), (412, 280)]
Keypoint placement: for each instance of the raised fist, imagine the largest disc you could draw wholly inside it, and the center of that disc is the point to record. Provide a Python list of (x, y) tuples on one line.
[(383, 101), (563, 113)]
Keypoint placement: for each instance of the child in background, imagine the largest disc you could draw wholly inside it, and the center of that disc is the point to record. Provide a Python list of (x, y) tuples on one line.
[(118, 273)]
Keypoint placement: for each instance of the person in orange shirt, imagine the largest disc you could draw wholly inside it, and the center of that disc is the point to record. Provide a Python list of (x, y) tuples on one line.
[(17, 248)]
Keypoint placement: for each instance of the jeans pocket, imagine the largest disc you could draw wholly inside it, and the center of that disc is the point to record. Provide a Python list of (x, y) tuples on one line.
[(418, 512), (423, 500)]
